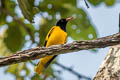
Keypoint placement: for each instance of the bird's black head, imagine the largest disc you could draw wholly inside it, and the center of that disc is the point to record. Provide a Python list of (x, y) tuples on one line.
[(62, 23)]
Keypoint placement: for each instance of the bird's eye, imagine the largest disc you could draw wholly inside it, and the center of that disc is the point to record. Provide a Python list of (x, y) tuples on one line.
[(61, 20)]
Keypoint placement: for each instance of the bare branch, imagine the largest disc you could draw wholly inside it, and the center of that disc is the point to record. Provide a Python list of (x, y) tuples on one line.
[(80, 76), (86, 3), (36, 53)]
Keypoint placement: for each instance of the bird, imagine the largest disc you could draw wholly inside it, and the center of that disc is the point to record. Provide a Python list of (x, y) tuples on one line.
[(56, 35)]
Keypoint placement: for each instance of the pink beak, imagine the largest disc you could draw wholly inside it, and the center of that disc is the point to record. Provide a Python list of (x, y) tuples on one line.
[(68, 19)]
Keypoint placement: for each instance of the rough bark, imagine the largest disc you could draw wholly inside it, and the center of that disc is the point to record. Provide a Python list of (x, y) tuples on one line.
[(36, 53), (110, 69)]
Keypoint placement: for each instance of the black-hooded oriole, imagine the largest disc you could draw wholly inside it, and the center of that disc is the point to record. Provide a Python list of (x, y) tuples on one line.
[(57, 35)]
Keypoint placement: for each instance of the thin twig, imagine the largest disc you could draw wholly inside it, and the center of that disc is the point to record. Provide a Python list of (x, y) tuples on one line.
[(80, 76), (86, 3)]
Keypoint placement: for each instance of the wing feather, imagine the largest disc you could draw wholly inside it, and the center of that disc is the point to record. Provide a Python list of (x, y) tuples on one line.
[(48, 35)]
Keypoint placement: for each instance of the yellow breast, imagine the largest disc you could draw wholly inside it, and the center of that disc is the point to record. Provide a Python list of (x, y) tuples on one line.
[(58, 36)]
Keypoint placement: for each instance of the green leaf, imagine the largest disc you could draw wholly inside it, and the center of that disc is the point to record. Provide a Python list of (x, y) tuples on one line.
[(55, 6), (86, 34), (49, 72), (28, 9), (3, 49), (16, 70), (2, 18), (13, 69), (30, 29), (10, 5), (80, 27), (95, 2), (36, 77), (15, 38), (26, 69), (109, 2)]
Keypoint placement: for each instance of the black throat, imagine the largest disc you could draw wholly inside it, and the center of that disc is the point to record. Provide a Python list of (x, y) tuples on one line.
[(62, 26)]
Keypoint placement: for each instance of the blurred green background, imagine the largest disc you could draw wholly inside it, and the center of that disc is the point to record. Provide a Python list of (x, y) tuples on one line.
[(19, 31)]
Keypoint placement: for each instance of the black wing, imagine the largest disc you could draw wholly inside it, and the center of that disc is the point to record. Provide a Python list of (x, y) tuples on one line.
[(48, 35)]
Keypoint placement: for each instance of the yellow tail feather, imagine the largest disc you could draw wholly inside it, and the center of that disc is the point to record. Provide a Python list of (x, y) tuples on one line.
[(41, 65), (39, 68)]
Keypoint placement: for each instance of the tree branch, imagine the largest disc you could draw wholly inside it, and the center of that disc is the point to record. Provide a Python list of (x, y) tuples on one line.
[(110, 68), (36, 53)]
